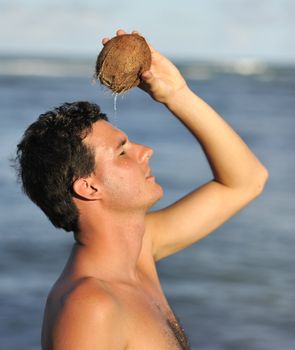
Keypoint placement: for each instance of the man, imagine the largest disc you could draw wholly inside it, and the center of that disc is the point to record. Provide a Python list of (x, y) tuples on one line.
[(89, 178)]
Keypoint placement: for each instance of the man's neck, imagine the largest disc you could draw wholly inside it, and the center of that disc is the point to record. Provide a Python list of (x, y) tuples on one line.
[(109, 248)]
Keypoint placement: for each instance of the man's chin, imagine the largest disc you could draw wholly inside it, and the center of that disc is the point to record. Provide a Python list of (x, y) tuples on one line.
[(158, 196)]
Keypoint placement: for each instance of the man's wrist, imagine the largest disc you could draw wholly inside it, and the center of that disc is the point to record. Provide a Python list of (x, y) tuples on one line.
[(179, 97)]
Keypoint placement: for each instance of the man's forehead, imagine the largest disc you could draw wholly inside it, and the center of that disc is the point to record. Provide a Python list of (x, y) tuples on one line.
[(104, 134)]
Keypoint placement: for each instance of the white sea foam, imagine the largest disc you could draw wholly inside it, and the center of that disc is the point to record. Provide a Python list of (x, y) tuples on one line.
[(51, 67)]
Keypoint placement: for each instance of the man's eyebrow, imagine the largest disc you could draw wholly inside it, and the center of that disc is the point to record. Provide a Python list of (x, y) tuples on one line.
[(121, 143)]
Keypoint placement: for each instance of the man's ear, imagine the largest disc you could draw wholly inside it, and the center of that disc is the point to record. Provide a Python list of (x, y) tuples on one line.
[(87, 189)]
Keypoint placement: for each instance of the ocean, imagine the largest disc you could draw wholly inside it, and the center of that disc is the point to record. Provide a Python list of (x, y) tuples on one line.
[(234, 289)]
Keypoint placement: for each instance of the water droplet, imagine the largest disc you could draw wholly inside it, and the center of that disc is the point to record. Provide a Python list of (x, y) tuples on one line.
[(115, 109), (115, 101)]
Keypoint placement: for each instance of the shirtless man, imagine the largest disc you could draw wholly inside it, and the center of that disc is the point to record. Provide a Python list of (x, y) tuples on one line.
[(109, 295)]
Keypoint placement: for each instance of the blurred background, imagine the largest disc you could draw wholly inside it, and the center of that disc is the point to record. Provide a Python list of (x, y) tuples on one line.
[(234, 289)]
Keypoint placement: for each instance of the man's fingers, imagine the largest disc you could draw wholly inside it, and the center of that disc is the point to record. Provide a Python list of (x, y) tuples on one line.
[(147, 75), (120, 32), (105, 40)]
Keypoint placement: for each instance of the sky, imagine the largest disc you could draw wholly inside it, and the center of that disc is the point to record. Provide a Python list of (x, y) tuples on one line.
[(261, 30)]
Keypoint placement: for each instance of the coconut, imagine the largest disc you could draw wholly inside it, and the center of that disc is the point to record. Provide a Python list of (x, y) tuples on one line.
[(121, 62)]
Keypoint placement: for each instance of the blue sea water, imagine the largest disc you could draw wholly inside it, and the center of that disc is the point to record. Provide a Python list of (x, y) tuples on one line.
[(234, 289)]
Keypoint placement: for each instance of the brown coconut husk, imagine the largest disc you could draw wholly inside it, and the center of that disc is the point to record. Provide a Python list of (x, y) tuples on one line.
[(121, 62)]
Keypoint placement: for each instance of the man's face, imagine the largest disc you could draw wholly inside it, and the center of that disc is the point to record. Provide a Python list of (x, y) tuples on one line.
[(122, 169)]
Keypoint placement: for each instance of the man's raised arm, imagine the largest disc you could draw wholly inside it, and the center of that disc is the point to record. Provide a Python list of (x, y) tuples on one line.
[(238, 176)]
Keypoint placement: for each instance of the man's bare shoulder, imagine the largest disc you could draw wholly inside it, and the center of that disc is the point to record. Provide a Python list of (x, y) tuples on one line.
[(86, 314), (90, 297), (89, 290)]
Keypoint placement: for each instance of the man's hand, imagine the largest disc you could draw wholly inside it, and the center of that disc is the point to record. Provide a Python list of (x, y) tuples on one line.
[(163, 80)]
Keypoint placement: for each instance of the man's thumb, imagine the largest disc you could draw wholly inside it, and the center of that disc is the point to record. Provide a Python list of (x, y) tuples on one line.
[(147, 75)]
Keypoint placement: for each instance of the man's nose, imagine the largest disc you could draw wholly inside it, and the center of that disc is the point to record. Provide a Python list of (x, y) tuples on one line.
[(145, 153)]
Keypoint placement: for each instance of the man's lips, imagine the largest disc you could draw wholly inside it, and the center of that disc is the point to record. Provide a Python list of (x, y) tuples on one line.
[(149, 175)]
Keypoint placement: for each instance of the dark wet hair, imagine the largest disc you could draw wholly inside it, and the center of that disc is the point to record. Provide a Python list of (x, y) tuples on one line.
[(51, 155)]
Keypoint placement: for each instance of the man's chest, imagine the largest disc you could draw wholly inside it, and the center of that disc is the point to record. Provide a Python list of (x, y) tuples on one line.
[(150, 322)]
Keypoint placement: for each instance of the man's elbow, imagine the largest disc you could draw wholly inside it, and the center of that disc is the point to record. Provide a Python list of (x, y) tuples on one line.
[(259, 180)]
